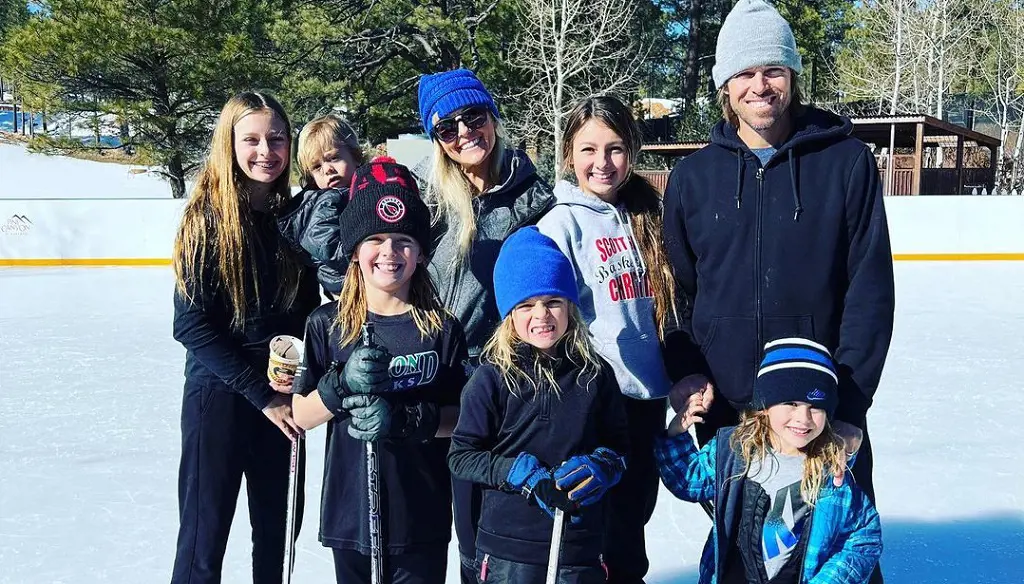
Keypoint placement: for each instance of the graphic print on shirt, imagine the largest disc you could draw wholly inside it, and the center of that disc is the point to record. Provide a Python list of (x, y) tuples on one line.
[(621, 269), (782, 526), (410, 371)]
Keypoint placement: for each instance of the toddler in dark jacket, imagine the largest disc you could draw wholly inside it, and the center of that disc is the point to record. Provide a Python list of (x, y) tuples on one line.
[(541, 425), (328, 154)]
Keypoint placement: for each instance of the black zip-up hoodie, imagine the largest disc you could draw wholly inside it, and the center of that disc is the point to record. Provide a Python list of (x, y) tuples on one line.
[(233, 359), (310, 224), (798, 247), (495, 426)]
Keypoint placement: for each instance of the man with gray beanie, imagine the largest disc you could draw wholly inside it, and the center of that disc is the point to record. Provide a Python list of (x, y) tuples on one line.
[(777, 229)]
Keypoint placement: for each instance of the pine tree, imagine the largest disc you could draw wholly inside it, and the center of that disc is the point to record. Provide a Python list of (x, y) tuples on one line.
[(164, 68)]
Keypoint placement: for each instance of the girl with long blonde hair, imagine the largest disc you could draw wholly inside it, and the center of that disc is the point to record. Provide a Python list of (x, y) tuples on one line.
[(607, 221), (779, 515), (237, 286), (542, 426), (400, 390), (480, 190)]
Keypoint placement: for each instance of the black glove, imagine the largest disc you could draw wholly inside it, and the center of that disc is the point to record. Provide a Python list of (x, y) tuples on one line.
[(371, 417), (550, 498), (365, 372)]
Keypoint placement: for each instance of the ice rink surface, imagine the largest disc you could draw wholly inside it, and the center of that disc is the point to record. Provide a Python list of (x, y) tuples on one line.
[(90, 393)]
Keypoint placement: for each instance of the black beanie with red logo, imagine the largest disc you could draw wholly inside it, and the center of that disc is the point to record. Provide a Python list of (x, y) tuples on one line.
[(384, 198)]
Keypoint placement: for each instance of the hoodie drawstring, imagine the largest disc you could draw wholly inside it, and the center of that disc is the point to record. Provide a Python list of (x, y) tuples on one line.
[(739, 178), (797, 208)]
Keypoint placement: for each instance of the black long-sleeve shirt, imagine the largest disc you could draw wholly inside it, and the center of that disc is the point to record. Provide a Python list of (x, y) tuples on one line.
[(235, 359)]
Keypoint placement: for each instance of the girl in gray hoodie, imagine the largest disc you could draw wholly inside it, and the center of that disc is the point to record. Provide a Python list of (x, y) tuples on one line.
[(608, 224)]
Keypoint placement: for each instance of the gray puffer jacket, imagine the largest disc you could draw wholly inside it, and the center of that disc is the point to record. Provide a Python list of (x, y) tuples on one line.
[(467, 287)]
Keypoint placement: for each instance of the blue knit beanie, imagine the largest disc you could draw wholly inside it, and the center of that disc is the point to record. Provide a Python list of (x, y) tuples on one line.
[(796, 370), (754, 34), (530, 264), (449, 91)]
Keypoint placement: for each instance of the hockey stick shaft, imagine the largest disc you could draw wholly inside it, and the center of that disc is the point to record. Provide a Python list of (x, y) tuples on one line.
[(373, 498), (290, 513), (556, 547)]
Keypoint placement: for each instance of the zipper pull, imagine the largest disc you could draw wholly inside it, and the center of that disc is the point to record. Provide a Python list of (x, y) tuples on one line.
[(483, 568), (760, 173)]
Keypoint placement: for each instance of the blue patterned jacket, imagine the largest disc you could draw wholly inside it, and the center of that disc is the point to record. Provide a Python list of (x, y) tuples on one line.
[(845, 538)]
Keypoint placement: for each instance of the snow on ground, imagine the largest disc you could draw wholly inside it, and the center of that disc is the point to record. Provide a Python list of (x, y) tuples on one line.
[(25, 175), (90, 391)]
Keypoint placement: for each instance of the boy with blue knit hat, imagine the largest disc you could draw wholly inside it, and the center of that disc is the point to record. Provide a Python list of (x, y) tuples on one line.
[(541, 425), (778, 516), (807, 249)]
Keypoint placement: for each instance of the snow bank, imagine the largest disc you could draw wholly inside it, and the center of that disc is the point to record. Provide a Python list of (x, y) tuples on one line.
[(24, 175)]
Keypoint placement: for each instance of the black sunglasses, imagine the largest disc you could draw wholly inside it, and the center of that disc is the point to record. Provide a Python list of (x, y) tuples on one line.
[(447, 130)]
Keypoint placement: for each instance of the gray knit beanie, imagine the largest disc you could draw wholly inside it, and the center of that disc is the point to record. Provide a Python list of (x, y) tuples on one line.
[(753, 35)]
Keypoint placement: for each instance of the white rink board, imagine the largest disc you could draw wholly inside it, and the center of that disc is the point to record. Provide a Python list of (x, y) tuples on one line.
[(88, 229)]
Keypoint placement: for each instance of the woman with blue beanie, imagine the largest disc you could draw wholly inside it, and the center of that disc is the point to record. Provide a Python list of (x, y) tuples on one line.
[(541, 426), (480, 191)]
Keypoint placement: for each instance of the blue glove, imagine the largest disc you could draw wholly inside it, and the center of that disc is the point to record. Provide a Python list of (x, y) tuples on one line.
[(525, 473), (587, 478), (534, 481), (370, 417)]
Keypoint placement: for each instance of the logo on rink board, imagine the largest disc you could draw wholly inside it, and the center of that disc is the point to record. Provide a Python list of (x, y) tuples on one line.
[(16, 225)]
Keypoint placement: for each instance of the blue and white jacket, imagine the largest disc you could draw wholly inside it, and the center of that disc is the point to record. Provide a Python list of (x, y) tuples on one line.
[(845, 537)]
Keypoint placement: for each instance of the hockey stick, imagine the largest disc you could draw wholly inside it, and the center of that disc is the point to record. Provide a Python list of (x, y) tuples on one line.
[(293, 501), (556, 547), (373, 495)]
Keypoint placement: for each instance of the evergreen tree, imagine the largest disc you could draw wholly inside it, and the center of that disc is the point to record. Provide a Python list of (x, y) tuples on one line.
[(162, 67)]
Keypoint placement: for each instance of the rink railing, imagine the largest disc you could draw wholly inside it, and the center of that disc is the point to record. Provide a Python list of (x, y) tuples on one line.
[(140, 232)]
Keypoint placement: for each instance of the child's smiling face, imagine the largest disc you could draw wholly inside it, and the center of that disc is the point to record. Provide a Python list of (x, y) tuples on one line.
[(388, 261), (795, 425), (541, 321)]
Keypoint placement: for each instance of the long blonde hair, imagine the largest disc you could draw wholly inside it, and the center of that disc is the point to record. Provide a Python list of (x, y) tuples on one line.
[(450, 194), (427, 312), (642, 202), (752, 439), (511, 354), (218, 217)]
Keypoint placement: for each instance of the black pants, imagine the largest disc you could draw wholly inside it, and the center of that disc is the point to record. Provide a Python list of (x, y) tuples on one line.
[(722, 414), (352, 567), (634, 498), (223, 437), (493, 570), (467, 499)]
